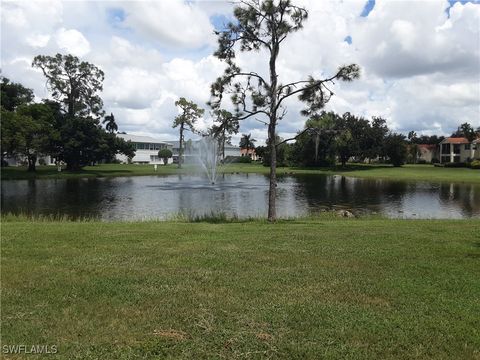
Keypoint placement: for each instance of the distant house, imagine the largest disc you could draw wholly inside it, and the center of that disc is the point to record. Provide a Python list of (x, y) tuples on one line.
[(428, 152), (250, 153), (146, 149), (459, 149)]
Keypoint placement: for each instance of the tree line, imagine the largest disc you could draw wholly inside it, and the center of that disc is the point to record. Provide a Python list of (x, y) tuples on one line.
[(330, 138), (68, 127)]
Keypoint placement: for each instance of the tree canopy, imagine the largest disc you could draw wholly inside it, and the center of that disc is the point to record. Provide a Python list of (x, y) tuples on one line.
[(466, 130), (189, 114), (14, 95), (247, 142), (165, 154), (67, 128), (225, 124), (74, 83)]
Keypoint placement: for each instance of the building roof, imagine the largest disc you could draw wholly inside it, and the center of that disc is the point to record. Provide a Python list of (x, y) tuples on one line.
[(455, 140), (232, 147), (176, 144), (142, 139), (427, 146)]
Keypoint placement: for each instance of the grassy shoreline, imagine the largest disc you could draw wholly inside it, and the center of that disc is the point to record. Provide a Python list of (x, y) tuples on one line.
[(298, 289), (407, 172)]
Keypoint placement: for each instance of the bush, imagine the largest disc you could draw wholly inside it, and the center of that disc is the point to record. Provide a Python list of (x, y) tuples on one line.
[(237, 160), (244, 160), (475, 164), (421, 161), (42, 162), (165, 154)]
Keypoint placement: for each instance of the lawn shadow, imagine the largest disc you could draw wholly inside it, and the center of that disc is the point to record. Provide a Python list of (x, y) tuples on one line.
[(99, 173), (346, 168)]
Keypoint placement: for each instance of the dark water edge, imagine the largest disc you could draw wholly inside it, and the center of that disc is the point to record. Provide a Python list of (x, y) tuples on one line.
[(238, 196)]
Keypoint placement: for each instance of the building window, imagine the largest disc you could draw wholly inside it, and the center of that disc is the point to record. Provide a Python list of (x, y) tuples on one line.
[(456, 159), (445, 148), (445, 159), (456, 148), (467, 146)]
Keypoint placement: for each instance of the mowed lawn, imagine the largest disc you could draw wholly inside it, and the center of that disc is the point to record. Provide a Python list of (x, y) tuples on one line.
[(303, 289)]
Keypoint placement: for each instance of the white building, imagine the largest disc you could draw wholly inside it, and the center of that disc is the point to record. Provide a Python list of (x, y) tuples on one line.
[(232, 150), (146, 149), (191, 150), (456, 150), (22, 160)]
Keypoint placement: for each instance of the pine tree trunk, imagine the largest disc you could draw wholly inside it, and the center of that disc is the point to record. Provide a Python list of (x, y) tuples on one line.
[(223, 146), (32, 159), (180, 147), (272, 193)]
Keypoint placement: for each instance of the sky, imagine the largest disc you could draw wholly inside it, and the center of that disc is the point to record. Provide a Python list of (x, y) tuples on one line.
[(419, 59)]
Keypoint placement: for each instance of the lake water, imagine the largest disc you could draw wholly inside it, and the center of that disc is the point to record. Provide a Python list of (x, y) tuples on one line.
[(241, 195)]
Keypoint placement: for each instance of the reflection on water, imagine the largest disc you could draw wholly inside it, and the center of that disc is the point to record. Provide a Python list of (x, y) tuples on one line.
[(243, 195)]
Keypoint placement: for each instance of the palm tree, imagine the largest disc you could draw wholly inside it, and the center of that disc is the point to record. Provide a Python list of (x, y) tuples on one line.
[(246, 142), (111, 125)]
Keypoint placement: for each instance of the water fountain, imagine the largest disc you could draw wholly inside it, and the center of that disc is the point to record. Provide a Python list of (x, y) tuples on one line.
[(208, 157)]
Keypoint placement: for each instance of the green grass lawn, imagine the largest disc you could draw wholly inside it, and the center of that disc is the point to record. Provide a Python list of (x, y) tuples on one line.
[(406, 172), (303, 289)]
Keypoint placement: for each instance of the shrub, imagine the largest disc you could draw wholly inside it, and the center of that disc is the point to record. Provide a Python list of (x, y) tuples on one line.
[(42, 162), (475, 164), (237, 159), (244, 160), (165, 154)]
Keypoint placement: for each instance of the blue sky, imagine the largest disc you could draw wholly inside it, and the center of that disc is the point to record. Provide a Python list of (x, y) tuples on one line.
[(369, 5)]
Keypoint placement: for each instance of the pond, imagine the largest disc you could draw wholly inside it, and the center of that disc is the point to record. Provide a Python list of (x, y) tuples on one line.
[(240, 195)]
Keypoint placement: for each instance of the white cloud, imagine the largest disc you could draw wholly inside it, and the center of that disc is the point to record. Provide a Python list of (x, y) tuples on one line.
[(72, 41), (173, 22), (38, 40)]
